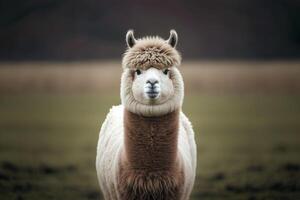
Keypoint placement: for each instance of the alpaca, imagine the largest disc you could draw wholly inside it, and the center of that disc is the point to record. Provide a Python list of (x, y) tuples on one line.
[(146, 148)]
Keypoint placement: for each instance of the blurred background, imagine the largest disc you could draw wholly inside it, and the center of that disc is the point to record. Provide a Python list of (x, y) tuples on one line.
[(60, 68)]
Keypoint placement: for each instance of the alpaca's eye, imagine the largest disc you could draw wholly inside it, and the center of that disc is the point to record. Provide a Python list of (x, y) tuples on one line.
[(166, 71), (138, 72)]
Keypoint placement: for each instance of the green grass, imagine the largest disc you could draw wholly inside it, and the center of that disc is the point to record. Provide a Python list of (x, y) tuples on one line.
[(248, 146)]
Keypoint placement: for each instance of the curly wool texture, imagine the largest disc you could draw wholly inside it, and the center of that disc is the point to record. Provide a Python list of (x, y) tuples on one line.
[(151, 52)]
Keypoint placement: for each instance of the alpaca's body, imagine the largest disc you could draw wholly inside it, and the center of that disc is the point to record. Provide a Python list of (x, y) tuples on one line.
[(111, 149), (146, 148)]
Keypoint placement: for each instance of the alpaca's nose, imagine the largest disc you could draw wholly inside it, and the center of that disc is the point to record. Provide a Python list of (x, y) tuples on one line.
[(152, 88), (152, 82)]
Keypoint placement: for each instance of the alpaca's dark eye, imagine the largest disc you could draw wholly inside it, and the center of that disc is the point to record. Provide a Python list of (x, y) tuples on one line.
[(166, 71), (138, 72)]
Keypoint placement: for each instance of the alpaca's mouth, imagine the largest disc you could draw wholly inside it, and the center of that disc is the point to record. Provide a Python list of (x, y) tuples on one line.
[(152, 94)]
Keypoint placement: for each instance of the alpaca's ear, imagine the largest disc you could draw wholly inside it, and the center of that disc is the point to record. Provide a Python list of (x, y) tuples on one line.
[(130, 40), (173, 38)]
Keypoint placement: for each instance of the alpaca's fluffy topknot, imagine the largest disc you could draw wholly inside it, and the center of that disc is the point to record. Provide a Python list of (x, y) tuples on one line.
[(151, 52)]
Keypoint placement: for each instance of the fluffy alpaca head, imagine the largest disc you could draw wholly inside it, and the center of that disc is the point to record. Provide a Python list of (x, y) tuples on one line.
[(151, 84)]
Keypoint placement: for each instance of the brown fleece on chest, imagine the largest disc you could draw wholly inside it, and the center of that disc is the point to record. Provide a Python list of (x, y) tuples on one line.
[(150, 168)]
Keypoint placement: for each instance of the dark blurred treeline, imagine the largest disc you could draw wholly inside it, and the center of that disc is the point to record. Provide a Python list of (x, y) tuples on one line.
[(94, 29)]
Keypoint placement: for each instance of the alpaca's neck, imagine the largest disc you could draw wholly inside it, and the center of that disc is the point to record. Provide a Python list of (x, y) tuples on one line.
[(151, 142)]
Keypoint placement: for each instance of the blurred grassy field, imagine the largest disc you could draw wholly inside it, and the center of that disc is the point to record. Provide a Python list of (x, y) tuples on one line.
[(248, 145), (206, 77)]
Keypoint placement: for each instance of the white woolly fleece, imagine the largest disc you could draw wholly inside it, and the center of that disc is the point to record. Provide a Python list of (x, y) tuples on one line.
[(111, 143)]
